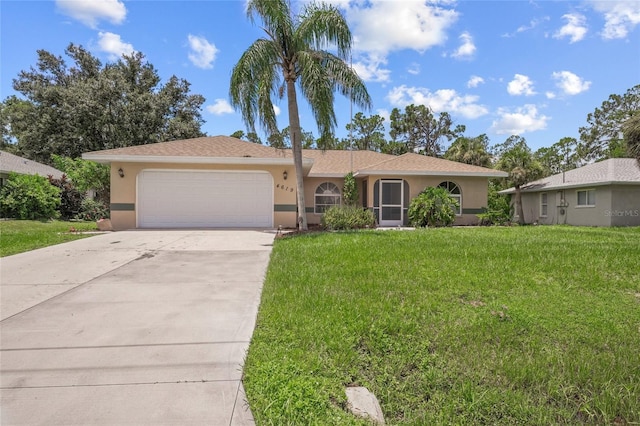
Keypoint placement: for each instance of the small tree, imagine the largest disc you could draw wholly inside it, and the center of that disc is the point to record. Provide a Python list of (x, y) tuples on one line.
[(70, 197), (433, 207), (350, 190), (29, 197)]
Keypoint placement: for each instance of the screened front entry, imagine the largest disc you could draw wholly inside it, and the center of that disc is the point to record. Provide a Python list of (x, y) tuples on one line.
[(390, 201)]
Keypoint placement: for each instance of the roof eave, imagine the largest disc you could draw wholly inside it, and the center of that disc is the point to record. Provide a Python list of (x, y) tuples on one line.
[(428, 173), (569, 186)]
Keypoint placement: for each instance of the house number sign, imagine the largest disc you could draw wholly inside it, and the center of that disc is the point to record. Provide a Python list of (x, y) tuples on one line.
[(284, 188)]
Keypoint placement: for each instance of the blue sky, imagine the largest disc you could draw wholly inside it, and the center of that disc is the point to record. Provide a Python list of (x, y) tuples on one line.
[(533, 68)]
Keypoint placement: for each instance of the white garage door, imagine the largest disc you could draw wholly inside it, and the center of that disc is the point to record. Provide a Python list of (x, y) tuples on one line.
[(192, 199)]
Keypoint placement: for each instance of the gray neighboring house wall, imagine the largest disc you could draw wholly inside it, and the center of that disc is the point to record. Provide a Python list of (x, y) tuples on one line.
[(12, 163), (606, 193)]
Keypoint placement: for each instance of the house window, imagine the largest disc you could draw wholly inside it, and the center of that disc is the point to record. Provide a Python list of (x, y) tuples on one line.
[(327, 195), (544, 207), (586, 198), (456, 194)]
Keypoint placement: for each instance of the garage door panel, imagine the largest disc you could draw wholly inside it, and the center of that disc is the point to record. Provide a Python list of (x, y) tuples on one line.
[(205, 199)]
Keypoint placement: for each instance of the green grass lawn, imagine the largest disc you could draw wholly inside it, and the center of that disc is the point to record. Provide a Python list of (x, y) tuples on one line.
[(522, 325), (17, 236)]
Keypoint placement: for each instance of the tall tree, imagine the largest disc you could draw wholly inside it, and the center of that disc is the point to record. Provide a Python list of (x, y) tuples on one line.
[(602, 137), (68, 110), (468, 150), (515, 158), (420, 130), (290, 58), (631, 132), (367, 132), (559, 157)]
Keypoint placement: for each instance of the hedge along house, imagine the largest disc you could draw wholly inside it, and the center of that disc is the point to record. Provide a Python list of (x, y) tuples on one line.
[(606, 193), (225, 182)]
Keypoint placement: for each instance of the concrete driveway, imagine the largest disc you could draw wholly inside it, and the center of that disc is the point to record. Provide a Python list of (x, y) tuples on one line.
[(134, 327)]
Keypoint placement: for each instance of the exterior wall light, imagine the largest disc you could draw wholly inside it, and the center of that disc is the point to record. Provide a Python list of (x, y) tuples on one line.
[(284, 175), (121, 172)]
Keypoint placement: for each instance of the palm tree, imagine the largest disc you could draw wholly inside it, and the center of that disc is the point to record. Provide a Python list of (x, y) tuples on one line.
[(291, 56), (631, 132), (518, 160), (470, 151)]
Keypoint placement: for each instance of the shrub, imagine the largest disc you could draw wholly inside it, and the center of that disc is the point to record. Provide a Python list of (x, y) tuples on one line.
[(433, 207), (93, 210), (348, 217), (29, 197), (350, 190), (499, 209), (70, 197)]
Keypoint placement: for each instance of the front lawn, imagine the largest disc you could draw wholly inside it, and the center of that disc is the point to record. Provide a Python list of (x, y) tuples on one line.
[(523, 325), (17, 236)]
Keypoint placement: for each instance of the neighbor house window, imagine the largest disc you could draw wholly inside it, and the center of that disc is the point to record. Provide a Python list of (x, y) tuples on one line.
[(586, 198), (327, 195), (543, 204), (456, 194)]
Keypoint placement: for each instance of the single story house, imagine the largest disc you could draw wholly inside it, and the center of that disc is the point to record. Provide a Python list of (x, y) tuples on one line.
[(13, 163), (606, 193), (226, 182)]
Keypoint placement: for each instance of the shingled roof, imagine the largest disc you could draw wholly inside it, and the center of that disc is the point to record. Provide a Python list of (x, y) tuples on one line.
[(318, 163), (619, 171), (12, 163)]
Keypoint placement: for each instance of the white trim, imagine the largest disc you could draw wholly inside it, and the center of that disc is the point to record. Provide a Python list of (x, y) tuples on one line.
[(368, 172), (401, 205), (568, 186)]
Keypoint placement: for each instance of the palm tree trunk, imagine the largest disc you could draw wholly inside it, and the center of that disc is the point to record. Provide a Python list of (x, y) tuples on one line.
[(519, 208), (295, 133)]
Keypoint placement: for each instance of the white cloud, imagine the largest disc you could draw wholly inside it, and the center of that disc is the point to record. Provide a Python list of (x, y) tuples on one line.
[(202, 52), (475, 81), (550, 95), (621, 16), (276, 109), (520, 85), (414, 69), (466, 49), (570, 83), (369, 67), (439, 101), (89, 12), (383, 26), (220, 107), (575, 28), (113, 45), (523, 28), (523, 119)]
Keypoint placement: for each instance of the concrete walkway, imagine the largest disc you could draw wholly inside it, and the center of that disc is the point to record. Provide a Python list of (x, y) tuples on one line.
[(135, 327)]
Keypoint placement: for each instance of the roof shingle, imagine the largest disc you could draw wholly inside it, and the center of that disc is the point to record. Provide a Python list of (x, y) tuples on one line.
[(12, 163)]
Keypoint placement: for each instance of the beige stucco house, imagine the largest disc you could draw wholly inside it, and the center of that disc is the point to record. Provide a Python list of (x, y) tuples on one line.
[(225, 182), (606, 193)]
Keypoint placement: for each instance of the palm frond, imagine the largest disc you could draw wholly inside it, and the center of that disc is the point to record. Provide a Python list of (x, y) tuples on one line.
[(323, 26)]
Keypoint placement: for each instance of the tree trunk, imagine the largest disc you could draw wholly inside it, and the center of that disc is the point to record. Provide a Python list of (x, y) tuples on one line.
[(519, 208), (295, 133)]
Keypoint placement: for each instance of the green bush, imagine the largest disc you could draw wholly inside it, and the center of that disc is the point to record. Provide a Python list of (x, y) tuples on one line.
[(29, 197), (350, 190), (348, 217), (499, 209), (93, 210), (70, 197), (433, 207)]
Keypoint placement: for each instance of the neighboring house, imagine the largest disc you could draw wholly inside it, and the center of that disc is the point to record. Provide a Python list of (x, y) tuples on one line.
[(225, 182), (599, 194), (12, 163)]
